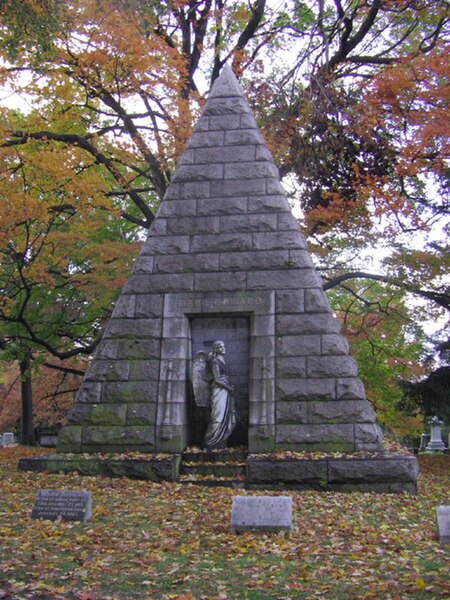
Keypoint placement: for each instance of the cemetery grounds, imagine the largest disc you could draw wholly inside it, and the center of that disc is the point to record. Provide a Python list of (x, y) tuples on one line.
[(173, 541)]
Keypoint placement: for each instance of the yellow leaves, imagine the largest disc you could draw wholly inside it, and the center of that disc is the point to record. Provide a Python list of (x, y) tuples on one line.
[(343, 545)]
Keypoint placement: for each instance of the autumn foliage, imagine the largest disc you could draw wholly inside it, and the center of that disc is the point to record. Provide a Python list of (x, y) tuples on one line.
[(99, 100), (169, 541)]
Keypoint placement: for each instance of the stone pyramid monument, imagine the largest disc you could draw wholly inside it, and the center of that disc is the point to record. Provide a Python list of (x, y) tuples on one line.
[(224, 259)]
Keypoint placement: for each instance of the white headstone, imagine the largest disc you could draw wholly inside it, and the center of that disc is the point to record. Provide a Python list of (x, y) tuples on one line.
[(443, 521), (261, 513), (8, 439)]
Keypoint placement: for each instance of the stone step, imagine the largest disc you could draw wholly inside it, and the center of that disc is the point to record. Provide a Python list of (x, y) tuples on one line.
[(226, 469), (212, 481), (225, 456)]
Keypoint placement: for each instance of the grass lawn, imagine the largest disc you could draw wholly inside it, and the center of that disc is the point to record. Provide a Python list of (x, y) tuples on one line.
[(172, 541)]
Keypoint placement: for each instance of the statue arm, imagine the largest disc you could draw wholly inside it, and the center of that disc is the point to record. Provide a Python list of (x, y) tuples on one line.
[(217, 378)]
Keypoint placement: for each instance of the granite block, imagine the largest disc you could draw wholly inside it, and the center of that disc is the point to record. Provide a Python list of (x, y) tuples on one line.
[(306, 389), (186, 263), (317, 323), (291, 367), (249, 261), (350, 388), (290, 301), (331, 437), (108, 370), (193, 225), (131, 391), (173, 208), (222, 206), (138, 327), (291, 412), (90, 392), (230, 154), (225, 106), (121, 436), (264, 203), (143, 284), (279, 241), (368, 436), (298, 345), (145, 370), (316, 301), (334, 344), (125, 307), (141, 414), (249, 170), (341, 411), (206, 139), (240, 187), (149, 306), (226, 122), (98, 414), (281, 278), (331, 366), (174, 244), (395, 469), (243, 137), (250, 223), (209, 172), (205, 282), (143, 264), (223, 242)]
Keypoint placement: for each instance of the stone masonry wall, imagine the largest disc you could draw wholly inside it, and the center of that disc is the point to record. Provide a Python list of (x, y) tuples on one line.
[(223, 228)]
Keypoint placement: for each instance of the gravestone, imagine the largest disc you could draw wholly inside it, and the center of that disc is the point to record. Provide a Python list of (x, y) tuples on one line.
[(436, 442), (261, 513), (71, 505), (8, 439), (424, 438), (1, 439), (443, 521)]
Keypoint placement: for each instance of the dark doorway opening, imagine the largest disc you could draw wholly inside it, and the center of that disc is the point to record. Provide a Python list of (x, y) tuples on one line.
[(235, 333)]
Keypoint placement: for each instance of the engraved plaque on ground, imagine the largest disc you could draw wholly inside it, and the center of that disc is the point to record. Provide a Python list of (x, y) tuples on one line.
[(71, 505), (261, 513)]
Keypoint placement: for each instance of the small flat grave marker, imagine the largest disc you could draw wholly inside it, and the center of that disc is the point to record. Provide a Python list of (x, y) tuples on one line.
[(261, 513), (71, 505), (443, 521)]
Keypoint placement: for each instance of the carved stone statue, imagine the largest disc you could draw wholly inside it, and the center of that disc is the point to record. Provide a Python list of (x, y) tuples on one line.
[(213, 389)]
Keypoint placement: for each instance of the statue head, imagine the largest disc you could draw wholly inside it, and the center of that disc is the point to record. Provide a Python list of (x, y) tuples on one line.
[(218, 347)]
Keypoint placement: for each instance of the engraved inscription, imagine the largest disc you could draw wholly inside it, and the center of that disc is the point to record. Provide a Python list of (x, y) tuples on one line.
[(72, 505), (258, 302)]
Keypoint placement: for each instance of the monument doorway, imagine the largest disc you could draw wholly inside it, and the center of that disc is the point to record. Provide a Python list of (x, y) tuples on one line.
[(235, 333)]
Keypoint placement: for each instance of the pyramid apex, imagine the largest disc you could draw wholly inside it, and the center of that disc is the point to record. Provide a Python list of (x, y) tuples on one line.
[(226, 84)]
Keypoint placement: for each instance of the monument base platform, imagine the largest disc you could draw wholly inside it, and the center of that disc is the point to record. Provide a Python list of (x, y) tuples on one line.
[(150, 467), (374, 472)]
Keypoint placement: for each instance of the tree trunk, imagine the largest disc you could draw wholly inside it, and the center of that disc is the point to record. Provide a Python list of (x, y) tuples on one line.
[(27, 429)]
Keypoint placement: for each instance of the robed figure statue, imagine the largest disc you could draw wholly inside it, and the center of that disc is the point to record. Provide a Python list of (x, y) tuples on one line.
[(212, 387)]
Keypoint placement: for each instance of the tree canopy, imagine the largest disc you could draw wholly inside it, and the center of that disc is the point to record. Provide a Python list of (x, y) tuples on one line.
[(99, 100)]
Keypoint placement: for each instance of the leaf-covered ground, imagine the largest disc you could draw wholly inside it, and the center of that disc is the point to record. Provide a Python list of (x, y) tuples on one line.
[(172, 541)]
